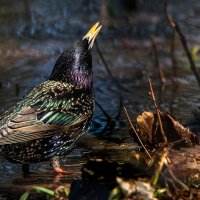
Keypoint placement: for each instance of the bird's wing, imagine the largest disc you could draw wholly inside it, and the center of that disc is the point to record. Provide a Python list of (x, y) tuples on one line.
[(45, 110)]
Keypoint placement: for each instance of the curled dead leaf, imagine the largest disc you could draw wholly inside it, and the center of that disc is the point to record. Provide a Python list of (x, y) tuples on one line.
[(148, 129)]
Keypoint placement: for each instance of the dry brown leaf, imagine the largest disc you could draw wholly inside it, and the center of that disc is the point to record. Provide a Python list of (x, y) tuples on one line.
[(176, 134)]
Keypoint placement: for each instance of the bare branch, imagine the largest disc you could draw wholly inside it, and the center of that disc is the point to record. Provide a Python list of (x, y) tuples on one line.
[(177, 180), (103, 111), (161, 163), (157, 110), (174, 25), (172, 52), (107, 68), (129, 120), (157, 61)]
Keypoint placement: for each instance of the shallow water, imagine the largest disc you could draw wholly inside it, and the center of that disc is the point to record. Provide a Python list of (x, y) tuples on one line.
[(32, 35)]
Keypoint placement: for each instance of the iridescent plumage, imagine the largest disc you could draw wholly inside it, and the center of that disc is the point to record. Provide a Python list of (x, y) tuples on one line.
[(49, 120)]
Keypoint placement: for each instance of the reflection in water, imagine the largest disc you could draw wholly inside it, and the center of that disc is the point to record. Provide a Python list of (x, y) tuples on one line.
[(32, 35)]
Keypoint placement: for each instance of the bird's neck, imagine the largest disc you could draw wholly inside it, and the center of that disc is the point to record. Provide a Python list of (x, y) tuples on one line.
[(82, 80), (74, 77)]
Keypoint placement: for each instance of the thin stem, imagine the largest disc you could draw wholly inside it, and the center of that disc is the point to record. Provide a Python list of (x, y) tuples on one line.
[(163, 160), (177, 180), (107, 67), (157, 61), (157, 110), (174, 25), (129, 120), (103, 111), (172, 52)]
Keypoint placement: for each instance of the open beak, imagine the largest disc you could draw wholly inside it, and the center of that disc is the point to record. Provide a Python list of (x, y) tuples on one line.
[(92, 34)]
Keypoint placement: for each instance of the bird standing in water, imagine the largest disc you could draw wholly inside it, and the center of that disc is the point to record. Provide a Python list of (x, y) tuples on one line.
[(49, 120)]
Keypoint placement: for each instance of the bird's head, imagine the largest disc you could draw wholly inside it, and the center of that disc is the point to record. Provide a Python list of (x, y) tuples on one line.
[(75, 64)]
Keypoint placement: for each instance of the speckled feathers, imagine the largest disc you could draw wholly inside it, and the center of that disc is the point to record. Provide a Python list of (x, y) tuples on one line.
[(49, 120)]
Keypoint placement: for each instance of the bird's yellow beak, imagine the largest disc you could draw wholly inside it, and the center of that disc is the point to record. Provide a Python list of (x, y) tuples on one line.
[(92, 34)]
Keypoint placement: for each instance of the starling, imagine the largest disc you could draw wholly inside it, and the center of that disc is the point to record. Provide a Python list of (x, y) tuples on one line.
[(49, 120)]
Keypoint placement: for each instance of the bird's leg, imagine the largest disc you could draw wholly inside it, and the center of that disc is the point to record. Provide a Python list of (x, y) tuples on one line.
[(25, 168), (55, 164)]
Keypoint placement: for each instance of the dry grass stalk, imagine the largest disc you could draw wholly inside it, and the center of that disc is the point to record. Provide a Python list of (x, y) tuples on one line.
[(157, 110), (163, 160), (129, 120), (172, 52), (157, 61)]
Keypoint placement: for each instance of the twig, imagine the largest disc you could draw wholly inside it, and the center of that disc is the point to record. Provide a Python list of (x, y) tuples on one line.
[(103, 60), (103, 111), (167, 186), (157, 110), (174, 25), (129, 120), (157, 61), (114, 80), (107, 68), (163, 160), (110, 120), (172, 185), (106, 114), (175, 87), (120, 108), (172, 52), (177, 180)]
